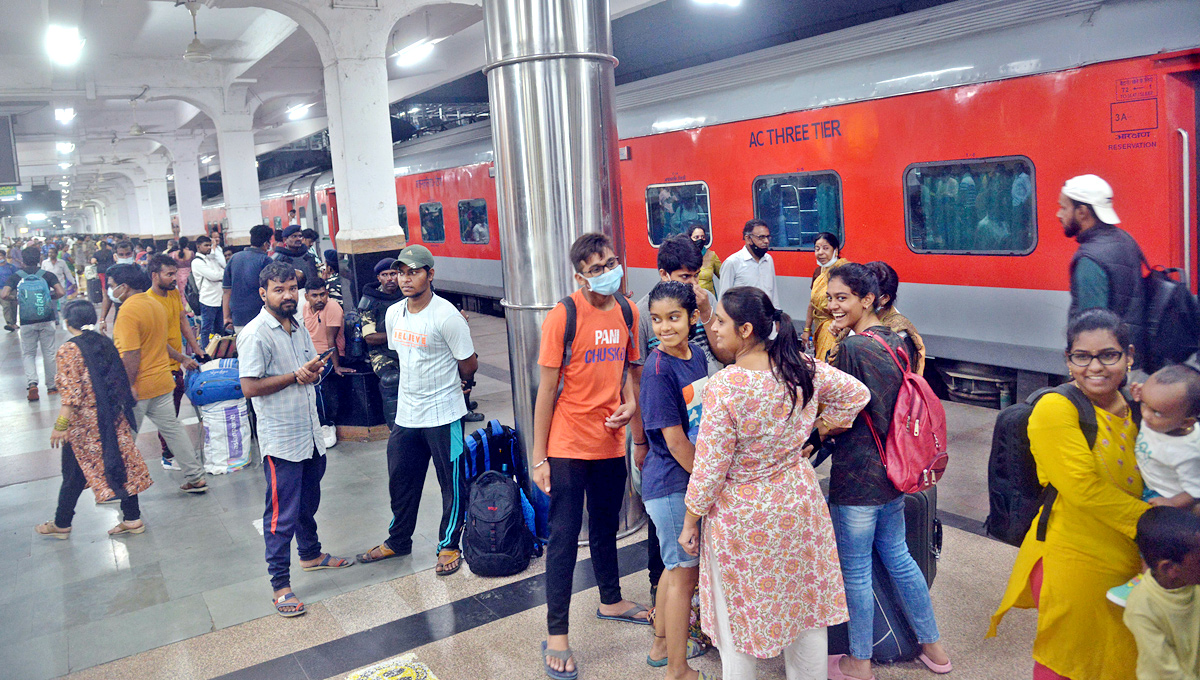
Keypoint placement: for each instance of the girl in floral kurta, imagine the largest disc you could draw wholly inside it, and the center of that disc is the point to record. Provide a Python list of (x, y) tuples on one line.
[(769, 574), (98, 442)]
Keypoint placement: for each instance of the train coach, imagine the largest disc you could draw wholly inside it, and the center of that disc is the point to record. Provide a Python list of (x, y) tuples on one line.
[(936, 141)]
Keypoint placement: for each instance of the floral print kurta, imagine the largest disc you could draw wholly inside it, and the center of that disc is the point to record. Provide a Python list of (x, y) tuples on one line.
[(75, 386), (766, 523)]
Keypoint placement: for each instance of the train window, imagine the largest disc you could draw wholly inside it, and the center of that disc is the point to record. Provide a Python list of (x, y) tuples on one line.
[(279, 223), (324, 210), (672, 208), (971, 207), (303, 216), (473, 220), (402, 218), (433, 230), (799, 206)]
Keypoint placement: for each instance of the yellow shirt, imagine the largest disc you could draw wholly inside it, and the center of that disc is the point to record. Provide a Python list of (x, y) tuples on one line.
[(1166, 625), (1089, 544), (173, 303), (142, 325)]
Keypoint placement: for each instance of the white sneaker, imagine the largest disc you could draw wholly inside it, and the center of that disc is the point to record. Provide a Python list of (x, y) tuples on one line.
[(329, 432)]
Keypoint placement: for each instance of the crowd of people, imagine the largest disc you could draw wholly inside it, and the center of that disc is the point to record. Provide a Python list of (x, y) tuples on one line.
[(721, 398)]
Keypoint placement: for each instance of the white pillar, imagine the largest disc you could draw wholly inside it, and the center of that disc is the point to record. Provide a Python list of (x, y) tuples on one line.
[(239, 176), (145, 221), (185, 154), (160, 202)]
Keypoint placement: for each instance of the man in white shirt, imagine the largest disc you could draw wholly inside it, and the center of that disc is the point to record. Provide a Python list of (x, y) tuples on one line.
[(436, 358), (58, 266), (752, 265), (209, 268)]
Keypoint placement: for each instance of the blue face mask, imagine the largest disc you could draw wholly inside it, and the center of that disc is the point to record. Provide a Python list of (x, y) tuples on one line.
[(607, 283)]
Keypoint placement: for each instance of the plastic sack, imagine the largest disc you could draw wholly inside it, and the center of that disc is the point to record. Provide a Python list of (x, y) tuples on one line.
[(226, 436)]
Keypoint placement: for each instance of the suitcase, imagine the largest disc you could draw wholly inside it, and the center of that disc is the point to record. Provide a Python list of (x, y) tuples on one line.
[(358, 399), (894, 638)]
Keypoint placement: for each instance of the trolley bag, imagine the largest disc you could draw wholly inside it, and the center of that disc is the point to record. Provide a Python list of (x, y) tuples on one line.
[(496, 541), (915, 452), (923, 531), (226, 436), (1014, 493), (217, 380)]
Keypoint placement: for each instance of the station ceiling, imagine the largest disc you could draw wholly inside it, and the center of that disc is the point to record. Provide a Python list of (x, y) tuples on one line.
[(133, 94)]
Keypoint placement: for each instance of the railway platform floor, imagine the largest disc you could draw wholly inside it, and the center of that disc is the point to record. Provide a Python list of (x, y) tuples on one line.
[(190, 598)]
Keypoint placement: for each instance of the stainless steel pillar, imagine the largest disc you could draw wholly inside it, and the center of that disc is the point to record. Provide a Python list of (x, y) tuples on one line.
[(550, 82)]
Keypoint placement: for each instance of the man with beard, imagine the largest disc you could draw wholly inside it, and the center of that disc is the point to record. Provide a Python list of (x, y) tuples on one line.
[(294, 252), (752, 265), (279, 367), (162, 270), (1106, 270), (324, 321), (437, 359), (372, 310)]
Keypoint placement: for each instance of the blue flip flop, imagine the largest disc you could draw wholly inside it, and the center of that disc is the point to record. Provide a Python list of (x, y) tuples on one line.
[(565, 655), (694, 649)]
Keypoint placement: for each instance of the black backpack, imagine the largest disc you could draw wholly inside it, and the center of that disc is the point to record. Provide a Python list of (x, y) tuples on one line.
[(496, 541), (1014, 493), (1170, 320)]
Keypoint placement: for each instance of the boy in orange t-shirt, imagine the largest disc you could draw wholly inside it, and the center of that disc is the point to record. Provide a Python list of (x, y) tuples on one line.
[(579, 440)]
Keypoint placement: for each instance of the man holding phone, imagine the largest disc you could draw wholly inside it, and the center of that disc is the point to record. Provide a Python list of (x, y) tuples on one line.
[(279, 367)]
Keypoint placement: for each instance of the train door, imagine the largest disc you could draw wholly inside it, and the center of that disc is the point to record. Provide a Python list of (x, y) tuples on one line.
[(331, 201), (1181, 94)]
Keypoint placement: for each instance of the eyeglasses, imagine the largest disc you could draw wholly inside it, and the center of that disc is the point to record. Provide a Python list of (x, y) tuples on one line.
[(599, 269), (1108, 357), (760, 238)]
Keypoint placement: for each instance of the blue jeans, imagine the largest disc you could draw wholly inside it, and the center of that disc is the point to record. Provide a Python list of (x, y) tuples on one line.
[(858, 528), (210, 324)]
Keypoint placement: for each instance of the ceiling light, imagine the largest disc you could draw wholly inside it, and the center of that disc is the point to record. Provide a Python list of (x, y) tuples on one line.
[(64, 45), (64, 116), (64, 184), (722, 3), (206, 159), (298, 111), (415, 53), (196, 52), (414, 109), (64, 147), (36, 217), (64, 165)]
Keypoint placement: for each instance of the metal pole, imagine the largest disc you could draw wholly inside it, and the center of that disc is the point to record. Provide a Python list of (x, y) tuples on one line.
[(550, 83)]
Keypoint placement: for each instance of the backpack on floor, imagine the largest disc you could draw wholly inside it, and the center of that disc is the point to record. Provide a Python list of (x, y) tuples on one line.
[(1170, 320), (496, 541), (497, 447), (1014, 493), (915, 453), (33, 298)]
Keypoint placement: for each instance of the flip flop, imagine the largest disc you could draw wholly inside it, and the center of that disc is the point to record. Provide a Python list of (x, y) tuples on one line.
[(385, 552), (329, 562), (835, 669), (939, 668), (565, 655), (442, 569), (124, 528), (52, 530), (298, 606), (694, 649), (628, 616)]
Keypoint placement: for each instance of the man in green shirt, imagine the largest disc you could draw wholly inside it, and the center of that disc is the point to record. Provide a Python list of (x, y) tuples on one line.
[(1106, 271)]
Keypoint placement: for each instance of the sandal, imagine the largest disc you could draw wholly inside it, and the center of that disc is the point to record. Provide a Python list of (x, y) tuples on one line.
[(385, 553), (694, 649), (328, 562), (53, 530), (835, 669), (628, 616), (565, 655), (444, 568), (124, 528), (288, 609)]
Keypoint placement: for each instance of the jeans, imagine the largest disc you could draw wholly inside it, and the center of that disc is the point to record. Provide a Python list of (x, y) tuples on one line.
[(603, 481), (210, 324), (33, 336), (73, 484), (161, 411), (858, 529), (293, 496)]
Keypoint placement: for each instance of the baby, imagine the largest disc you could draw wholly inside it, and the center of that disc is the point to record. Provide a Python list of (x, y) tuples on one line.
[(1163, 611), (1168, 444)]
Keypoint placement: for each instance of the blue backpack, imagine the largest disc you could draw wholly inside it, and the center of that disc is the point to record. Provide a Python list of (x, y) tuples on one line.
[(33, 298), (498, 448)]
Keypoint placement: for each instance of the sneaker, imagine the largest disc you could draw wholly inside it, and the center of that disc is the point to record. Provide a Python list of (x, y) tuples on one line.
[(1120, 594), (33, 393), (170, 464), (329, 433), (473, 418)]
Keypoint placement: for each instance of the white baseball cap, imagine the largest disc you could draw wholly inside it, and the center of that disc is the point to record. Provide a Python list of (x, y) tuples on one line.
[(1095, 192)]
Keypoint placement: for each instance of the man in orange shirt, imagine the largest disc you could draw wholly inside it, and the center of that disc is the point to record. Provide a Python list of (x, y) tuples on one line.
[(579, 439), (323, 319), (162, 270), (140, 334)]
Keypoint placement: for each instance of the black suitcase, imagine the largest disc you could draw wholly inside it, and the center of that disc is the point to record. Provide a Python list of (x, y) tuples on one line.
[(894, 639)]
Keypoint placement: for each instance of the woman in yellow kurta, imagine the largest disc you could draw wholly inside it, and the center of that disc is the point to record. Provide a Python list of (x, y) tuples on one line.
[(710, 264), (817, 333), (1089, 544)]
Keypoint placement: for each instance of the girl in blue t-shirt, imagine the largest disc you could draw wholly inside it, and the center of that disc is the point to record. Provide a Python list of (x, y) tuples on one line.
[(673, 379)]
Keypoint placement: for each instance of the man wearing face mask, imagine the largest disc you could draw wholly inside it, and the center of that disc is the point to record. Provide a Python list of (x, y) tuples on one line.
[(140, 334), (752, 265), (122, 255)]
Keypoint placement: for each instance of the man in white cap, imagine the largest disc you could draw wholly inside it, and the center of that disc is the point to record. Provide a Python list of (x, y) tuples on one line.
[(1106, 271)]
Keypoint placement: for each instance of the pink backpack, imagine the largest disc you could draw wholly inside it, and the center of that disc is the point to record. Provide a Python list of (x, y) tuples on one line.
[(915, 456)]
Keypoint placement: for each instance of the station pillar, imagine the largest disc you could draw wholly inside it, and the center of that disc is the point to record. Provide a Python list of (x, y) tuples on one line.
[(554, 135), (185, 169), (159, 225), (239, 176)]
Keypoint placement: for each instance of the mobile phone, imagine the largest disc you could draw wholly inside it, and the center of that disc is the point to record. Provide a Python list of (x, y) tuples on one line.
[(326, 353)]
